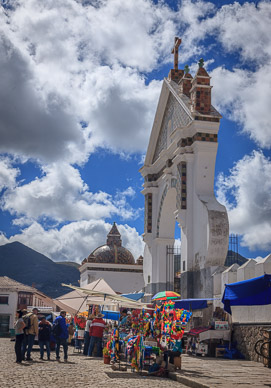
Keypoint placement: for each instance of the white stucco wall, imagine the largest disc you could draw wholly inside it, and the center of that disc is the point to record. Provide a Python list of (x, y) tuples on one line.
[(119, 281), (246, 271), (249, 270), (122, 282), (10, 308), (229, 276), (251, 314), (263, 266), (147, 265)]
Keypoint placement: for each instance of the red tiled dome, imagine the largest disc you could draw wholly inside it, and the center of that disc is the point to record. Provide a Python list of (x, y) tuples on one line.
[(113, 252)]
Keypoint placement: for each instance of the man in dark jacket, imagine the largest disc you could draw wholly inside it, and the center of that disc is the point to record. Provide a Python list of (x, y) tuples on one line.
[(44, 337), (62, 336), (96, 335)]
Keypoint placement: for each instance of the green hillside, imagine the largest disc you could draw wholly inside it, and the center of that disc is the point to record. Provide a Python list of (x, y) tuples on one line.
[(30, 267)]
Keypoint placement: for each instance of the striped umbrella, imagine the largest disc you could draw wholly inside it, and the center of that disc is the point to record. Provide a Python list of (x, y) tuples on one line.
[(166, 295)]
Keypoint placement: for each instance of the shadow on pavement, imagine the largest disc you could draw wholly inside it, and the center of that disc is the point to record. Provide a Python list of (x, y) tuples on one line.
[(125, 375)]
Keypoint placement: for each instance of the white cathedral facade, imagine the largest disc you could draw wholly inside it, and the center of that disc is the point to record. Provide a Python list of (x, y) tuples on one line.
[(179, 184)]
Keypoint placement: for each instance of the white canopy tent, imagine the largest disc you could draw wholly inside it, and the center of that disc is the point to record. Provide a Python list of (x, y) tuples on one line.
[(77, 301), (106, 298)]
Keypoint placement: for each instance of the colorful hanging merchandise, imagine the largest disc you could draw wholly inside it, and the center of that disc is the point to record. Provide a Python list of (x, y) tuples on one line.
[(142, 323), (169, 323), (137, 359), (113, 345)]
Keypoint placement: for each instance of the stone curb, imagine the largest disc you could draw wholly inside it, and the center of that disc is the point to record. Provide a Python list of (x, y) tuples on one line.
[(186, 381)]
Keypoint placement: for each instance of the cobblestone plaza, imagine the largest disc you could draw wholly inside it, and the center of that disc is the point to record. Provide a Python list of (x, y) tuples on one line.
[(79, 371)]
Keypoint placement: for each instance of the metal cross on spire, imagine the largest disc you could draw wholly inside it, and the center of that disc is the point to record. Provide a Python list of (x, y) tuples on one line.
[(175, 51)]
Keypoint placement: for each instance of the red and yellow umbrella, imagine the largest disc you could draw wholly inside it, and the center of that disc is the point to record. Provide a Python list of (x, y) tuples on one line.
[(166, 295)]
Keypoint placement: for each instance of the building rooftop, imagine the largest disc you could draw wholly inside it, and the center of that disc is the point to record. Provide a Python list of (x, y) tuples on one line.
[(12, 285)]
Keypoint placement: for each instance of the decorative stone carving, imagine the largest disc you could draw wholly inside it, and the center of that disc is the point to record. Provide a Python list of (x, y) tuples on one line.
[(175, 117)]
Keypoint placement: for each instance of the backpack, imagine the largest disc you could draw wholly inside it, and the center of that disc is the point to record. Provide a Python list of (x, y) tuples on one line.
[(56, 329), (27, 321)]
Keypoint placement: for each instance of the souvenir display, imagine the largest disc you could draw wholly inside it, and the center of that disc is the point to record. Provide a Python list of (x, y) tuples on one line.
[(145, 336)]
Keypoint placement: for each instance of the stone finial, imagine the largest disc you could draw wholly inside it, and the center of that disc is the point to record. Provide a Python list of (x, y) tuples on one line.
[(201, 62)]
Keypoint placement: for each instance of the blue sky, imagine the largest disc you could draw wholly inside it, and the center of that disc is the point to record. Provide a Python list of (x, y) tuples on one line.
[(80, 81)]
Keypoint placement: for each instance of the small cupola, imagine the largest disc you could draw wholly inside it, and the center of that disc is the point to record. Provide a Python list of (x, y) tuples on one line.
[(186, 82), (113, 237), (200, 92)]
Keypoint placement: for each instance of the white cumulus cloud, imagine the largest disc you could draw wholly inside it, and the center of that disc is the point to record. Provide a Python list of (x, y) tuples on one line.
[(61, 195), (64, 64), (246, 194), (243, 93), (75, 241), (8, 174)]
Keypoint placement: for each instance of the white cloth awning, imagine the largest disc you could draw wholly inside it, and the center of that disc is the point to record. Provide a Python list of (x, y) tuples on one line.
[(76, 301), (107, 298)]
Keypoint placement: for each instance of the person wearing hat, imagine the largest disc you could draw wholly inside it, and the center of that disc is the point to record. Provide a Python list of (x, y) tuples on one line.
[(96, 335), (31, 331)]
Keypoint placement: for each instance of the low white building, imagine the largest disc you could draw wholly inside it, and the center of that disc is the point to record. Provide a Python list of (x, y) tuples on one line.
[(235, 273), (115, 264), (14, 296)]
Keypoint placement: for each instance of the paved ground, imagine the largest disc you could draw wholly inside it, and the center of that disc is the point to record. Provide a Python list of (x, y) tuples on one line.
[(222, 373), (80, 371)]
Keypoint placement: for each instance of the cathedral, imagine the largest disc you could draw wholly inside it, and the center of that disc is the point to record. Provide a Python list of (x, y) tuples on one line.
[(115, 264)]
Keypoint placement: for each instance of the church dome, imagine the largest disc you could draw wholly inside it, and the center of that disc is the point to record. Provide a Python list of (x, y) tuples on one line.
[(112, 252)]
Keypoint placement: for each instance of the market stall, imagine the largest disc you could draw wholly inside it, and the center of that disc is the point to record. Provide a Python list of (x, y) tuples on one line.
[(143, 337), (209, 341), (149, 338)]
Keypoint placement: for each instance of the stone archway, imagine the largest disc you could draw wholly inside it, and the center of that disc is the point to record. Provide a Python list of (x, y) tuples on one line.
[(179, 182)]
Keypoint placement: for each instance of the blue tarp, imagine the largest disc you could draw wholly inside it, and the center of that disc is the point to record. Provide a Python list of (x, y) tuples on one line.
[(134, 296), (252, 292), (191, 304), (113, 315)]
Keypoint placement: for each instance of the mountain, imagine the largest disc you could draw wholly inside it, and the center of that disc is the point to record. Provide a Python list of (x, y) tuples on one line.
[(30, 267), (234, 257), (71, 263)]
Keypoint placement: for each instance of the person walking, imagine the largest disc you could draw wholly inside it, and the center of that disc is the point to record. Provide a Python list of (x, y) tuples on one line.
[(60, 332), (31, 331), (19, 336), (96, 335), (44, 337), (86, 334)]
